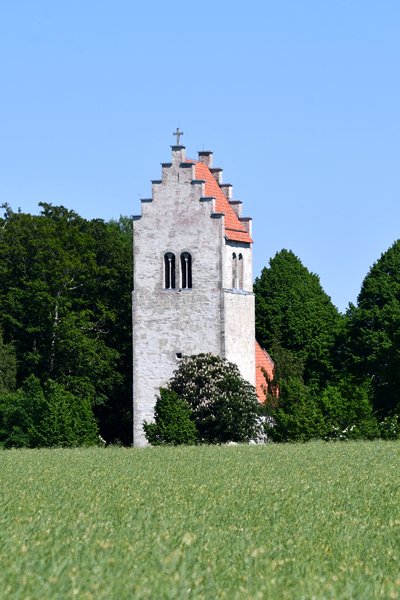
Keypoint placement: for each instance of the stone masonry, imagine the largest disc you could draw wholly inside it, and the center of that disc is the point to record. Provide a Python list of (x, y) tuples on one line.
[(191, 214)]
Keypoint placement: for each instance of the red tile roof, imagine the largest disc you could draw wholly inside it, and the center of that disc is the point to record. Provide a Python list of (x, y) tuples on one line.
[(234, 229), (263, 363)]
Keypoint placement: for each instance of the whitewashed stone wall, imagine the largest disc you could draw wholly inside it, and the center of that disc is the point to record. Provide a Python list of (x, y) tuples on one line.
[(238, 311), (210, 317)]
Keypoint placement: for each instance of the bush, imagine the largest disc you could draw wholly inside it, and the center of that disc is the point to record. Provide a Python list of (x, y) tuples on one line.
[(348, 411), (338, 412), (298, 418), (68, 420), (389, 428), (36, 416), (172, 422), (224, 406)]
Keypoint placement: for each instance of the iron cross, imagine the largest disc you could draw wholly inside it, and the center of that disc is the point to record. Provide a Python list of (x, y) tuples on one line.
[(178, 135)]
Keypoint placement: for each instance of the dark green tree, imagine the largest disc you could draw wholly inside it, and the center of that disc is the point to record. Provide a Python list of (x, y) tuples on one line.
[(45, 416), (297, 416), (113, 289), (340, 411), (224, 406), (294, 313), (65, 305), (67, 420), (373, 332), (172, 421), (347, 411), (304, 332), (8, 366)]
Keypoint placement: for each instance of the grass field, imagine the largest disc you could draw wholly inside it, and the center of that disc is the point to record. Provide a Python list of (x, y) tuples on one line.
[(319, 520)]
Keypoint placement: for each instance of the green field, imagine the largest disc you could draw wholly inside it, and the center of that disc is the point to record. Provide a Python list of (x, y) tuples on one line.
[(319, 520)]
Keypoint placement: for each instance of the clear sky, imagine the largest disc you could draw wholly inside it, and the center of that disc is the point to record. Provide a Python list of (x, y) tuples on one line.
[(298, 100)]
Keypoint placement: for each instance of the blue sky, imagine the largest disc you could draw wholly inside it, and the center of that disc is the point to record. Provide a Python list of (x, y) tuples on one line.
[(298, 100)]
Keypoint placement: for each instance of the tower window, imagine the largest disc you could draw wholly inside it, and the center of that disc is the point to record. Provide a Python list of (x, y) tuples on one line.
[(169, 270), (235, 282), (240, 271), (186, 270), (237, 271)]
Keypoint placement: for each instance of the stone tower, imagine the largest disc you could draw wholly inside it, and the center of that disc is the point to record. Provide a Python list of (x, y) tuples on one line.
[(193, 280)]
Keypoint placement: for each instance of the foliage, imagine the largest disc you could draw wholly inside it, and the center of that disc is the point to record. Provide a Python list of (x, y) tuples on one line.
[(36, 416), (8, 366), (341, 410), (298, 416), (287, 367), (287, 364), (65, 304), (68, 420), (338, 412), (373, 332), (224, 406), (294, 313), (298, 323), (348, 412), (389, 428), (316, 520), (172, 422)]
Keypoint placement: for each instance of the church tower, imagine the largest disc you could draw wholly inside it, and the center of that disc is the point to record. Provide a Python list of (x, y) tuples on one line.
[(193, 280)]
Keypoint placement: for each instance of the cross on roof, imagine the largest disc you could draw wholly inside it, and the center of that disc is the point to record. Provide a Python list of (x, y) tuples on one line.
[(178, 134)]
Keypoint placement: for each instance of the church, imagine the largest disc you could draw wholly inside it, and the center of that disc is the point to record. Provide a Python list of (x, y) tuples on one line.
[(193, 280)]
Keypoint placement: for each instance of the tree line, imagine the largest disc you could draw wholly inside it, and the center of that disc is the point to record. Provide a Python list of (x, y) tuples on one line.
[(65, 338), (65, 318), (337, 375)]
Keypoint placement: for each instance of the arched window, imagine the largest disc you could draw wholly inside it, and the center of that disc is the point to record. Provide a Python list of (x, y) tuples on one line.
[(169, 270), (186, 270), (240, 272), (235, 282)]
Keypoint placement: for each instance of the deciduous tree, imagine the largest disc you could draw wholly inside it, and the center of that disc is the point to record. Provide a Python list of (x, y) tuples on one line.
[(65, 306), (8, 366)]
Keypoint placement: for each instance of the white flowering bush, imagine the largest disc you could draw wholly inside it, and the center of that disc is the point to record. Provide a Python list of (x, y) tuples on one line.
[(224, 406), (390, 427)]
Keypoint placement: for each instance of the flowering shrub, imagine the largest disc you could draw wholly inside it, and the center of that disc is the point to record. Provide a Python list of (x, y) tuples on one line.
[(224, 406), (390, 428)]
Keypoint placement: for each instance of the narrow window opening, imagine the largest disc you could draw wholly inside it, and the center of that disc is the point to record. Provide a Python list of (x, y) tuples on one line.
[(240, 273), (186, 270), (235, 281), (169, 270)]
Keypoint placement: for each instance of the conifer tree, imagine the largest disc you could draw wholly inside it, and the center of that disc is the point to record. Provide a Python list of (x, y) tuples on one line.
[(172, 421), (373, 332), (294, 313)]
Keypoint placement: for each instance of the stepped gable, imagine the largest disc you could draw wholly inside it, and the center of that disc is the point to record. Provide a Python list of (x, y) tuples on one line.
[(263, 363), (234, 230)]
